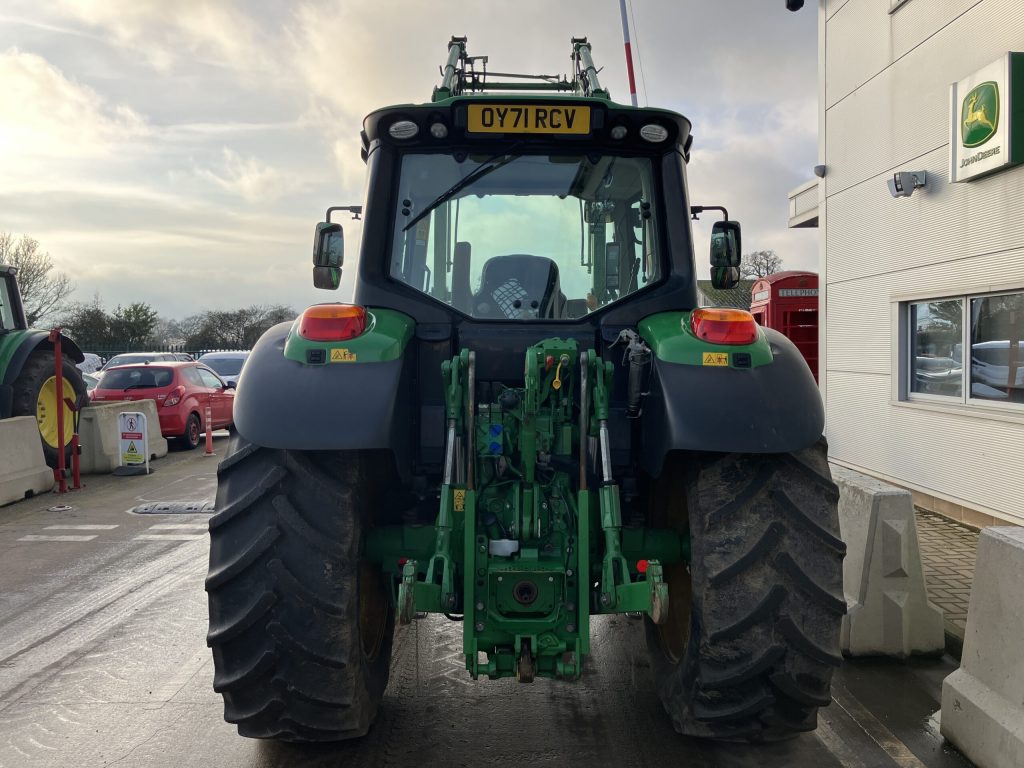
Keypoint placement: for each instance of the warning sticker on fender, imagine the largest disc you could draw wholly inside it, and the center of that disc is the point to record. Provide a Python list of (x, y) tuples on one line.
[(342, 355), (716, 358)]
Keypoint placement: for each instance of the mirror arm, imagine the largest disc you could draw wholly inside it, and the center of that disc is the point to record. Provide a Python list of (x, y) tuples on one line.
[(696, 210), (355, 210)]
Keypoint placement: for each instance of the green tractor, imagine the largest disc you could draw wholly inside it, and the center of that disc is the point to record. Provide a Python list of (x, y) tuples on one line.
[(524, 422), (28, 375)]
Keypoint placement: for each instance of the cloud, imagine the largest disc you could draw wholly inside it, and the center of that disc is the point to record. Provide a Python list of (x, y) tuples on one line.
[(219, 32), (43, 113), (207, 136), (249, 178), (750, 167)]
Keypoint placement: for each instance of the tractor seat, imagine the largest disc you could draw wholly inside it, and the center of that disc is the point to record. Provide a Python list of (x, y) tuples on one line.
[(518, 286)]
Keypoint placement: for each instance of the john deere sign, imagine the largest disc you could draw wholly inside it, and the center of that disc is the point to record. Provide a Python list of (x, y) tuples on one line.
[(979, 114), (987, 117)]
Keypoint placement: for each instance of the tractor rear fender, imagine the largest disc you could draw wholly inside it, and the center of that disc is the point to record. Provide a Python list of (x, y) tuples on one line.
[(287, 399), (713, 404), (15, 347)]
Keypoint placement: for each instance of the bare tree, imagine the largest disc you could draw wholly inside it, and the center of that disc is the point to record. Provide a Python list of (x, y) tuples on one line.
[(41, 292), (760, 264)]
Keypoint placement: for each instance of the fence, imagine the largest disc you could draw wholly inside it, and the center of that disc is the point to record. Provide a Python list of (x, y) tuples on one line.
[(108, 353)]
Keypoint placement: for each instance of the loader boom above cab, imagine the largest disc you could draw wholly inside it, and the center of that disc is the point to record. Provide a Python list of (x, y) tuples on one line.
[(524, 422)]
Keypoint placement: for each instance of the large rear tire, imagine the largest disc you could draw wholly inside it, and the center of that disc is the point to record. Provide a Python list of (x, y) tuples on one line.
[(35, 394), (753, 633), (300, 627)]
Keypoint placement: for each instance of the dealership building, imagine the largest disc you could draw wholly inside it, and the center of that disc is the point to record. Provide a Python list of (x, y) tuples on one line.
[(919, 204)]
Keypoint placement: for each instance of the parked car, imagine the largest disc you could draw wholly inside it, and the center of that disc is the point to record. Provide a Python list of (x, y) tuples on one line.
[(128, 358), (182, 392), (227, 364), (91, 364), (91, 380)]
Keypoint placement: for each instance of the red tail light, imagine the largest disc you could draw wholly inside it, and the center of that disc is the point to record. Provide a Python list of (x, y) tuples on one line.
[(723, 326), (332, 322), (175, 396)]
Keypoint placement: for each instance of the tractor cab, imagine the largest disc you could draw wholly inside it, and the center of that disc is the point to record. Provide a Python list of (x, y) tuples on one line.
[(552, 206), (12, 314)]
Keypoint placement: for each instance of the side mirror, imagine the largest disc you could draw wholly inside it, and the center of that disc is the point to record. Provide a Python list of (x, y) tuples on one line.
[(611, 267), (725, 254), (328, 255), (725, 277), (328, 278)]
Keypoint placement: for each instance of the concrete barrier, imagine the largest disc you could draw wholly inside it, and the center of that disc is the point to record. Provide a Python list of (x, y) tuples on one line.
[(98, 430), (983, 701), (889, 613), (23, 470)]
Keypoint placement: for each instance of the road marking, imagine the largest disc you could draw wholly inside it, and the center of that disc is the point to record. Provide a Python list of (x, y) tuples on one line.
[(79, 527), (898, 751), (180, 527), (37, 537), (170, 537), (51, 635)]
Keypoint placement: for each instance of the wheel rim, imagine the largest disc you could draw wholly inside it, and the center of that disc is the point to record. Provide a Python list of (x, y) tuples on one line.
[(373, 609), (193, 431), (46, 411)]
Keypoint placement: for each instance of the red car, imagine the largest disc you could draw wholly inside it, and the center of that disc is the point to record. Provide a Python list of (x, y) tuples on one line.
[(182, 392)]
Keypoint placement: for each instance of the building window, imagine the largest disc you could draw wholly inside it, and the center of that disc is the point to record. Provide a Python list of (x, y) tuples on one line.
[(997, 349), (990, 327), (936, 348)]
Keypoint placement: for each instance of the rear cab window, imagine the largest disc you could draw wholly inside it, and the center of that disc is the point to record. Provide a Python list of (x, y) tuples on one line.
[(142, 377)]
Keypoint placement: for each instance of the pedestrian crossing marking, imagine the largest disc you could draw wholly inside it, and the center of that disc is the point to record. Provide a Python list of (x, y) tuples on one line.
[(80, 527), (37, 537), (170, 537), (180, 527)]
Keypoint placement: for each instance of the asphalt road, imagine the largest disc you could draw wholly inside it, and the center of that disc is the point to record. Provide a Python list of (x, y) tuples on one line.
[(103, 661)]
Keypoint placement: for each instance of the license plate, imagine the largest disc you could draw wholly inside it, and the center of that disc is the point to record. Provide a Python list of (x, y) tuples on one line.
[(528, 118)]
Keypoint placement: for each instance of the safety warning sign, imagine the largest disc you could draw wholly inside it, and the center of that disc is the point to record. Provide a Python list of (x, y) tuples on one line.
[(134, 441), (342, 355)]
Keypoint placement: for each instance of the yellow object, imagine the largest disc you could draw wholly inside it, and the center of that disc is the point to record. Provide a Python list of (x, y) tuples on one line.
[(528, 118), (342, 355), (715, 358), (557, 383), (459, 500), (46, 411)]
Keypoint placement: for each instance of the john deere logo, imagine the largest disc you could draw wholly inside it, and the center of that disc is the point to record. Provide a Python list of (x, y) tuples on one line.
[(979, 114)]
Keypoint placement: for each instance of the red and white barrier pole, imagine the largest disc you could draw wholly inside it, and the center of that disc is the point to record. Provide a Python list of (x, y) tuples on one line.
[(59, 404), (76, 464), (629, 52), (209, 431)]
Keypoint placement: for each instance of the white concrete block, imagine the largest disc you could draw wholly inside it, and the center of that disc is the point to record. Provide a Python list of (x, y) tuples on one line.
[(888, 608), (983, 701), (23, 470), (98, 434)]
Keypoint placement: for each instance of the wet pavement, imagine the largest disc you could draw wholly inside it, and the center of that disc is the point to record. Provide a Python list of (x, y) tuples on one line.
[(103, 662)]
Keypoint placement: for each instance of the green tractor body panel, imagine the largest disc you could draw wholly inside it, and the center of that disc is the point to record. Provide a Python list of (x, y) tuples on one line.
[(385, 338), (672, 340)]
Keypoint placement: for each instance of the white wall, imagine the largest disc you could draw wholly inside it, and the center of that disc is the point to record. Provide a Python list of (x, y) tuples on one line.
[(885, 99)]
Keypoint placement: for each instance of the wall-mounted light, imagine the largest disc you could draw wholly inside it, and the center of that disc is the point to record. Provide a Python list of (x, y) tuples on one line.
[(903, 183)]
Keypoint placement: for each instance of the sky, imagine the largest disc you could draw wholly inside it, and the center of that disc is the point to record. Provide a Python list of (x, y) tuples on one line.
[(181, 153)]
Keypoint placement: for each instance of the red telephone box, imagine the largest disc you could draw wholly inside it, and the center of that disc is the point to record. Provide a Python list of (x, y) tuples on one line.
[(788, 302)]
